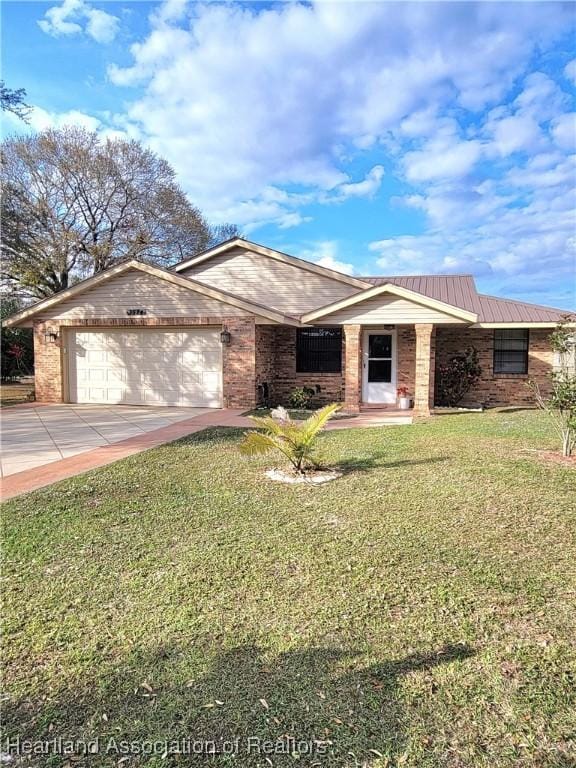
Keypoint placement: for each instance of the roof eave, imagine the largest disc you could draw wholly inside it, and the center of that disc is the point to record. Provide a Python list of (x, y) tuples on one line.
[(523, 324)]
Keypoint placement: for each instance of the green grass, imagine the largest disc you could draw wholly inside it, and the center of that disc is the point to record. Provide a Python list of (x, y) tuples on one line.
[(420, 611)]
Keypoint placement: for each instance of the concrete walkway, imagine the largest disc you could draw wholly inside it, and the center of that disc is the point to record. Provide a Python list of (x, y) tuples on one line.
[(51, 443), (32, 437)]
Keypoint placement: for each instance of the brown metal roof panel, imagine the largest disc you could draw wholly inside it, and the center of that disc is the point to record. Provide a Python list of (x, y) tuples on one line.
[(493, 309), (457, 290)]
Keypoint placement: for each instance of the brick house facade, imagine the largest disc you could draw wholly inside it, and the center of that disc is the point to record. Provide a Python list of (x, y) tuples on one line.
[(241, 311)]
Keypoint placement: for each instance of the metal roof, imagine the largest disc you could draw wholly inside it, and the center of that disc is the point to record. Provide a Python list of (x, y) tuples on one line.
[(460, 291), (493, 309), (457, 290)]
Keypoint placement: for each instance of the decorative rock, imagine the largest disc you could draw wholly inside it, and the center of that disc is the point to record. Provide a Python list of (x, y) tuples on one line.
[(311, 478)]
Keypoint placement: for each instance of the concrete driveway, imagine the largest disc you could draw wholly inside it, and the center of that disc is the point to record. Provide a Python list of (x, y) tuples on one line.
[(33, 437)]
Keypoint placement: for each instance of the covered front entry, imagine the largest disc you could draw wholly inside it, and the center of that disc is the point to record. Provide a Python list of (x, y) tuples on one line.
[(379, 364), (145, 367)]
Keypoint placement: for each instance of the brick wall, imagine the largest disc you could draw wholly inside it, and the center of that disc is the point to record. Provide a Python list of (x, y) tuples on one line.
[(47, 364), (353, 367), (286, 378), (498, 389), (260, 353), (265, 360), (406, 366), (239, 363)]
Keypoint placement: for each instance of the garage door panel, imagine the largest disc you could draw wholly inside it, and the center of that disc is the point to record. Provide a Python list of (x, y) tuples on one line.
[(158, 380), (146, 367), (166, 397), (210, 360), (210, 381), (116, 376), (160, 340)]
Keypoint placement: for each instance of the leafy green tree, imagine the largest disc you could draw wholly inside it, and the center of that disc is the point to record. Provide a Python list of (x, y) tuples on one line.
[(75, 204), (296, 440)]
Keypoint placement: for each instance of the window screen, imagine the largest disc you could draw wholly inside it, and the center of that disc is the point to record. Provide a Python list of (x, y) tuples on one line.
[(510, 351), (319, 350)]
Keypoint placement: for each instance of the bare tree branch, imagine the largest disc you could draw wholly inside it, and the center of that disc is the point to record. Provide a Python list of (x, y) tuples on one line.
[(74, 205)]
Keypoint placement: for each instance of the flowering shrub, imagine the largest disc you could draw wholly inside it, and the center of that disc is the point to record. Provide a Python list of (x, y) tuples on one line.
[(457, 377)]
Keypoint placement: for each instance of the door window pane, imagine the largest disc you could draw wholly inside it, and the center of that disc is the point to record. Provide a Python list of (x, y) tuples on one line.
[(380, 370), (380, 345)]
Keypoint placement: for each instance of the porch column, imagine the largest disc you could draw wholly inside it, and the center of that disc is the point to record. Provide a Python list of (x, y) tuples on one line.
[(353, 367), (425, 365)]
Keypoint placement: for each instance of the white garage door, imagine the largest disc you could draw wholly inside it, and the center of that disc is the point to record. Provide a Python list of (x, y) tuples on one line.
[(145, 367)]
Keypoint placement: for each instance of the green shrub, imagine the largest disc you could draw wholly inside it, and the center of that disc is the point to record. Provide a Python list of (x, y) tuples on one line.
[(457, 377), (301, 397)]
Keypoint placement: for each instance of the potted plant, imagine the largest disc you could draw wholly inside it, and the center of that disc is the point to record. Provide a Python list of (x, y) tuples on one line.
[(404, 400)]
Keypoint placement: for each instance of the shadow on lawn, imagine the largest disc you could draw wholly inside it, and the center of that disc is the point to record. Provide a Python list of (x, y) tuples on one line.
[(364, 464), (215, 435), (338, 714)]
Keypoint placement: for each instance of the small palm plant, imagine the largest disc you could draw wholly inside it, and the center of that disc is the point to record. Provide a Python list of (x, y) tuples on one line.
[(294, 439)]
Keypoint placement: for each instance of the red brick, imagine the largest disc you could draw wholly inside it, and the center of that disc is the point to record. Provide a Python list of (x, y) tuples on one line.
[(498, 389)]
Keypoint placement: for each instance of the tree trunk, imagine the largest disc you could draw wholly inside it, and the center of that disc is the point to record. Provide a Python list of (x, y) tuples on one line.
[(567, 442)]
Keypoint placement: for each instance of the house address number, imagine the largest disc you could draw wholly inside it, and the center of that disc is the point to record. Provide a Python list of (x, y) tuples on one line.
[(135, 311)]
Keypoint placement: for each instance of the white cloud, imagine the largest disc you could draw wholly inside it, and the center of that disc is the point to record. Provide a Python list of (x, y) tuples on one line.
[(516, 232), (41, 119), (516, 133), (365, 188), (442, 158), (570, 71), (69, 18), (325, 253), (242, 98), (265, 110), (288, 220), (564, 131)]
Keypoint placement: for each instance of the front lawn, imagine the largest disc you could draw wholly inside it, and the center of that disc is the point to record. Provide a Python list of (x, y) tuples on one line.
[(420, 611)]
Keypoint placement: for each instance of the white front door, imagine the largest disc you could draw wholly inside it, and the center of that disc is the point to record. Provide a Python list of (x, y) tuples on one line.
[(379, 367)]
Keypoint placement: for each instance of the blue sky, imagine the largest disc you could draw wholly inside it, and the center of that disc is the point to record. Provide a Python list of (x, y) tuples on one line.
[(377, 138)]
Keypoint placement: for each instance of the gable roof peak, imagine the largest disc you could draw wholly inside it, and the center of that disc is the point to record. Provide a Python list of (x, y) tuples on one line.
[(272, 253)]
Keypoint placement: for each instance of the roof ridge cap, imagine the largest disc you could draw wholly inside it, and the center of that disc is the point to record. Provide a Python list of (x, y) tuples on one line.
[(388, 277)]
